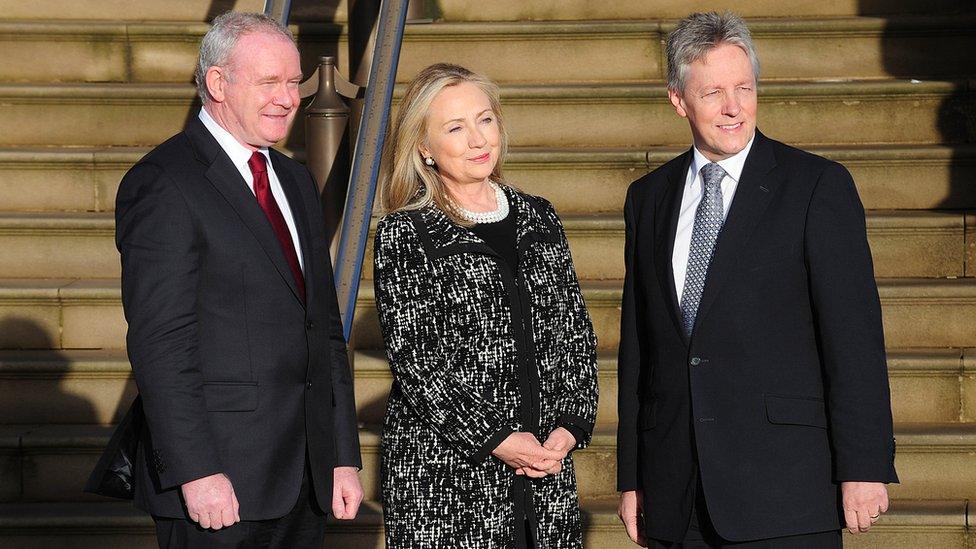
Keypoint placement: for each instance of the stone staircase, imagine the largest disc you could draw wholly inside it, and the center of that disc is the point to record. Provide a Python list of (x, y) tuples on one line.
[(887, 87)]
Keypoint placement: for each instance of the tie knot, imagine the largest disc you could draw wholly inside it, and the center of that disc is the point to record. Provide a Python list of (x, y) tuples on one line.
[(712, 174), (258, 163)]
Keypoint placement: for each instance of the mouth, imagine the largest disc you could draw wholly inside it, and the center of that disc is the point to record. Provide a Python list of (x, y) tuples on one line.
[(730, 127), (480, 159)]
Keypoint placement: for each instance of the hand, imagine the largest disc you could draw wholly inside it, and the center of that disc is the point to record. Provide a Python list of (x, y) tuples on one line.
[(211, 502), (522, 452), (863, 503), (631, 513), (560, 440), (347, 493)]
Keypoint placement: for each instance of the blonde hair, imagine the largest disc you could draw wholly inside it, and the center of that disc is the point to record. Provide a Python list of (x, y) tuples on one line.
[(408, 183)]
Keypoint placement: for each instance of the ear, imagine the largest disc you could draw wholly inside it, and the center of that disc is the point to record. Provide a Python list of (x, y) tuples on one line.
[(424, 151), (216, 79), (678, 103)]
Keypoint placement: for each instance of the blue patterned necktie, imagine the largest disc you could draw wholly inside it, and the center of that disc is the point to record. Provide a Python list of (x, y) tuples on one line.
[(709, 218)]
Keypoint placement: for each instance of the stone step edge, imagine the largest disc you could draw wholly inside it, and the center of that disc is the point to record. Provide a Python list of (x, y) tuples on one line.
[(911, 437), (103, 223), (114, 364), (912, 25), (26, 518), (596, 292), (126, 156), (157, 93)]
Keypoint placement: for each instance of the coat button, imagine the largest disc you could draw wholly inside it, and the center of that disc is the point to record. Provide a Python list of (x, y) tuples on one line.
[(695, 361), (309, 325), (308, 385)]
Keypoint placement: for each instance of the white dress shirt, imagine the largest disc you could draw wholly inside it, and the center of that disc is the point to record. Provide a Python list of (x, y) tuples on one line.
[(693, 190), (239, 155)]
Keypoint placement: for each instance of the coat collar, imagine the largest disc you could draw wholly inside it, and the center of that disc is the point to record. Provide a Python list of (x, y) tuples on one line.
[(443, 237), (227, 180)]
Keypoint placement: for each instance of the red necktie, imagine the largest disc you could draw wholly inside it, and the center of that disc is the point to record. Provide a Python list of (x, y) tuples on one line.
[(262, 190)]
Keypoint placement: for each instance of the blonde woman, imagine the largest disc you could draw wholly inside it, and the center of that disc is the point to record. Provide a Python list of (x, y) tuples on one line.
[(492, 350)]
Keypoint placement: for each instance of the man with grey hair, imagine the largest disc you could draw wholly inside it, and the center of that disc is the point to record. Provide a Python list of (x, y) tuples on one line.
[(754, 408), (234, 333)]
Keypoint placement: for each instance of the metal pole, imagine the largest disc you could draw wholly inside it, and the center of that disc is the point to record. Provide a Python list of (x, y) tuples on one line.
[(366, 166), (326, 142), (278, 9)]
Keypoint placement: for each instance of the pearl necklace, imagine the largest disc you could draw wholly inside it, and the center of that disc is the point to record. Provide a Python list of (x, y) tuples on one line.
[(494, 216)]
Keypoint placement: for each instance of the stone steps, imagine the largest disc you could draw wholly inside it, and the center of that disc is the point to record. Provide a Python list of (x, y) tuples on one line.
[(51, 462), (96, 386), (576, 180), (87, 313), (856, 47), (462, 10), (569, 115), (909, 524), (904, 244)]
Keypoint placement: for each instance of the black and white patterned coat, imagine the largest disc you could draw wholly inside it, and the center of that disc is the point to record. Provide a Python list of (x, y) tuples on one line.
[(464, 371)]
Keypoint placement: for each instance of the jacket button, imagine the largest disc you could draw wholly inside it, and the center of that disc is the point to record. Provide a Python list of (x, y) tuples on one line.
[(309, 325), (695, 361), (308, 385)]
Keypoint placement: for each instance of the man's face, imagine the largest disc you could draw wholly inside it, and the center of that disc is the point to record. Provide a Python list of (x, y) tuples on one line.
[(255, 97), (719, 101)]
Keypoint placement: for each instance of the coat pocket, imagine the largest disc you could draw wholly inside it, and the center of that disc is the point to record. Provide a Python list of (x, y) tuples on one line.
[(231, 396), (790, 410)]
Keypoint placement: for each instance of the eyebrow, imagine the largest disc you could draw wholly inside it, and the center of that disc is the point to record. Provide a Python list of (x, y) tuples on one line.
[(489, 109)]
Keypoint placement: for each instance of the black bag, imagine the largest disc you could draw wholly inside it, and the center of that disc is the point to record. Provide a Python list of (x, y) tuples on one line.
[(114, 475)]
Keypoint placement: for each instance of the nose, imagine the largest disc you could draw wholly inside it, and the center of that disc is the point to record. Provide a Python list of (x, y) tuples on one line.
[(285, 96), (476, 139), (731, 106)]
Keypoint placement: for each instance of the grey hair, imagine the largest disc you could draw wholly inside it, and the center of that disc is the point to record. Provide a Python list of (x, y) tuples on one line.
[(219, 42), (700, 33)]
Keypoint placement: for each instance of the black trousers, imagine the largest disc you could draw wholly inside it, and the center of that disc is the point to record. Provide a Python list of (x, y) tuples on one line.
[(303, 526), (701, 534)]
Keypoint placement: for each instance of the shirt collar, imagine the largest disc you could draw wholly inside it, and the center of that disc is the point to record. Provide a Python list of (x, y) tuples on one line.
[(732, 165), (239, 154)]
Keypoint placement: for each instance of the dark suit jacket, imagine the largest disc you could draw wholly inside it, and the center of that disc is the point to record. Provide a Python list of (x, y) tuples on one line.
[(782, 391), (236, 373)]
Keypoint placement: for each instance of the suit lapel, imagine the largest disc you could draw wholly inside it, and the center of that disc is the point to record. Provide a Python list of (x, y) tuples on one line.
[(297, 206), (756, 186), (225, 177), (666, 226)]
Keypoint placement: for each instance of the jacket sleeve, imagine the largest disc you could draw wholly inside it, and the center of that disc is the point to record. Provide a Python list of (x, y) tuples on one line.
[(419, 361), (628, 366), (579, 387), (345, 425), (160, 266), (848, 316)]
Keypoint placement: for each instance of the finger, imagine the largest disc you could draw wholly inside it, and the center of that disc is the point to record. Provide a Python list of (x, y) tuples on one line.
[(352, 507), (337, 505), (237, 510), (195, 517), (863, 519), (205, 521), (630, 522), (227, 517), (534, 473), (520, 471), (850, 517)]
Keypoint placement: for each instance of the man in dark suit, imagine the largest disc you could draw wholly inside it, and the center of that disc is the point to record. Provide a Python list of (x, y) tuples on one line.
[(234, 332), (754, 407)]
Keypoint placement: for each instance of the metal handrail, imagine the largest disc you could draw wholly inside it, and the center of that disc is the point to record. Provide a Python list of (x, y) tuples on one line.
[(327, 129), (367, 157)]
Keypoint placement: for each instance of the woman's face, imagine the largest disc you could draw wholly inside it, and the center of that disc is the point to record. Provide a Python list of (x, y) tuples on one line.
[(462, 135)]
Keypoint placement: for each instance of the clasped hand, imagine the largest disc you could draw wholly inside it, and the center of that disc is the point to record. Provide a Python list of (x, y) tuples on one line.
[(522, 452)]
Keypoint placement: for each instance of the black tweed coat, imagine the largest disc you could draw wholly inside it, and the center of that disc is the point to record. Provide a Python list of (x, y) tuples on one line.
[(466, 374)]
